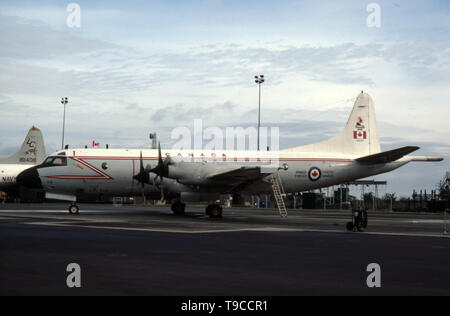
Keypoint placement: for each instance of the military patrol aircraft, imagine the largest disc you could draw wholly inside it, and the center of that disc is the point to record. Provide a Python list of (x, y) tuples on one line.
[(187, 176), (30, 154)]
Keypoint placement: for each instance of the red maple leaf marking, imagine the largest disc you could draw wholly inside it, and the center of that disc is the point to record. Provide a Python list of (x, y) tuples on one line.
[(315, 173), (359, 134)]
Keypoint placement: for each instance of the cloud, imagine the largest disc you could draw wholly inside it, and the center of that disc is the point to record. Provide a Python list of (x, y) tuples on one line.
[(69, 62), (29, 39), (231, 65)]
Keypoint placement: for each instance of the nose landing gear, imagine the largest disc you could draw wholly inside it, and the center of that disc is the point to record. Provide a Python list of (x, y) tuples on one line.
[(74, 209)]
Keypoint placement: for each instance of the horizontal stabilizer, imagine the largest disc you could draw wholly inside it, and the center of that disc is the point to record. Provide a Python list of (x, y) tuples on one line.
[(388, 156)]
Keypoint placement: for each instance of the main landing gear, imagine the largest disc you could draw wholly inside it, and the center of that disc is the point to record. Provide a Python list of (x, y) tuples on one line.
[(74, 209), (214, 211)]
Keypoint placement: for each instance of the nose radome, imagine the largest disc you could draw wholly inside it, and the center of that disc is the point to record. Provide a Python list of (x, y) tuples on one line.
[(30, 178)]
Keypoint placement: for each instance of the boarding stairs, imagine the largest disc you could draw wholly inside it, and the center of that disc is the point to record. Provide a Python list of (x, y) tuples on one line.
[(278, 192)]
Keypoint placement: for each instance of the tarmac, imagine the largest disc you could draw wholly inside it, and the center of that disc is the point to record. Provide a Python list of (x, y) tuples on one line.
[(137, 250)]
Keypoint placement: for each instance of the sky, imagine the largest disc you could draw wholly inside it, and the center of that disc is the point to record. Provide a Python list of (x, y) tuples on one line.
[(136, 67)]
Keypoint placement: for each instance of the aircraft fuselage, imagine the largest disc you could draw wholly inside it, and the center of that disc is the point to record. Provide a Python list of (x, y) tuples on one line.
[(111, 172), (9, 173)]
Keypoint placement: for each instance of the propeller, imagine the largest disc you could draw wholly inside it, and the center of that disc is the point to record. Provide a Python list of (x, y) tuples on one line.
[(161, 170), (143, 177)]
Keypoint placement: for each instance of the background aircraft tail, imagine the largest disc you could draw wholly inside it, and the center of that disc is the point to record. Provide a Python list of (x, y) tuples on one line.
[(360, 135), (32, 151)]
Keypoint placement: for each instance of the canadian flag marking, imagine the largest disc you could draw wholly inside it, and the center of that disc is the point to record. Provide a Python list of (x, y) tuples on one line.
[(359, 135)]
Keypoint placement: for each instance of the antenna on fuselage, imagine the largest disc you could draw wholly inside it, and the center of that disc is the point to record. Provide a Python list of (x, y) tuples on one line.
[(154, 138)]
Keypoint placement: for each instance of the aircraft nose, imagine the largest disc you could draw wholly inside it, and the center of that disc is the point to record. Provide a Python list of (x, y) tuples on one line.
[(30, 178)]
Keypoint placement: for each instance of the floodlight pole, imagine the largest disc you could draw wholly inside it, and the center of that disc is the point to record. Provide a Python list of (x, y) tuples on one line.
[(259, 80), (259, 113), (64, 101)]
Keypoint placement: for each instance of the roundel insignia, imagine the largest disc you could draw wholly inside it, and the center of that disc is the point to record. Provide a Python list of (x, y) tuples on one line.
[(314, 174)]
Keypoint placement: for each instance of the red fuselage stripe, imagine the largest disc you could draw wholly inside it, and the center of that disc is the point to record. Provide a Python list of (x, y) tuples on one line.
[(104, 176), (228, 159)]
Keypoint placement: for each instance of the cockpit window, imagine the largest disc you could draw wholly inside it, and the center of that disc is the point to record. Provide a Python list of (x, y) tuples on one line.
[(60, 161), (55, 161)]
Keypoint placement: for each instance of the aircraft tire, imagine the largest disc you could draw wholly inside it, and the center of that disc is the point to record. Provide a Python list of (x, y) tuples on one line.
[(74, 210), (360, 227), (216, 211)]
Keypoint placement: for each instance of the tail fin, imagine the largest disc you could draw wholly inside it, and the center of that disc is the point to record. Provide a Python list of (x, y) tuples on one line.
[(32, 151), (360, 135)]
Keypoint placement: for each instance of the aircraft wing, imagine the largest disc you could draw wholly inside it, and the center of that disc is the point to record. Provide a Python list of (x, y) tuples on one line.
[(237, 179), (236, 176), (387, 156)]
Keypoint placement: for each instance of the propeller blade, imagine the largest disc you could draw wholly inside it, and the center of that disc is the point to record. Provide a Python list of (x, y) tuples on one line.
[(159, 153), (142, 163), (162, 169), (143, 176)]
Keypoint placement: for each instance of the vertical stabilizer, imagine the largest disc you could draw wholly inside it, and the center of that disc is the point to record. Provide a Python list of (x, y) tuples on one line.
[(32, 151), (360, 135)]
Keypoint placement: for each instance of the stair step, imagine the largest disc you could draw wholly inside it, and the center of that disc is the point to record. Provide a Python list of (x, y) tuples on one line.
[(279, 194)]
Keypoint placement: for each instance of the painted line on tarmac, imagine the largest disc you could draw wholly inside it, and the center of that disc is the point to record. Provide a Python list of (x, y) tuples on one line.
[(257, 229), (428, 221), (55, 211), (161, 230)]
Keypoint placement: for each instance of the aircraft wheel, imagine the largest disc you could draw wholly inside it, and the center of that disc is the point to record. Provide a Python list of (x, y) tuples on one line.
[(360, 227), (74, 210), (216, 211), (178, 208)]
